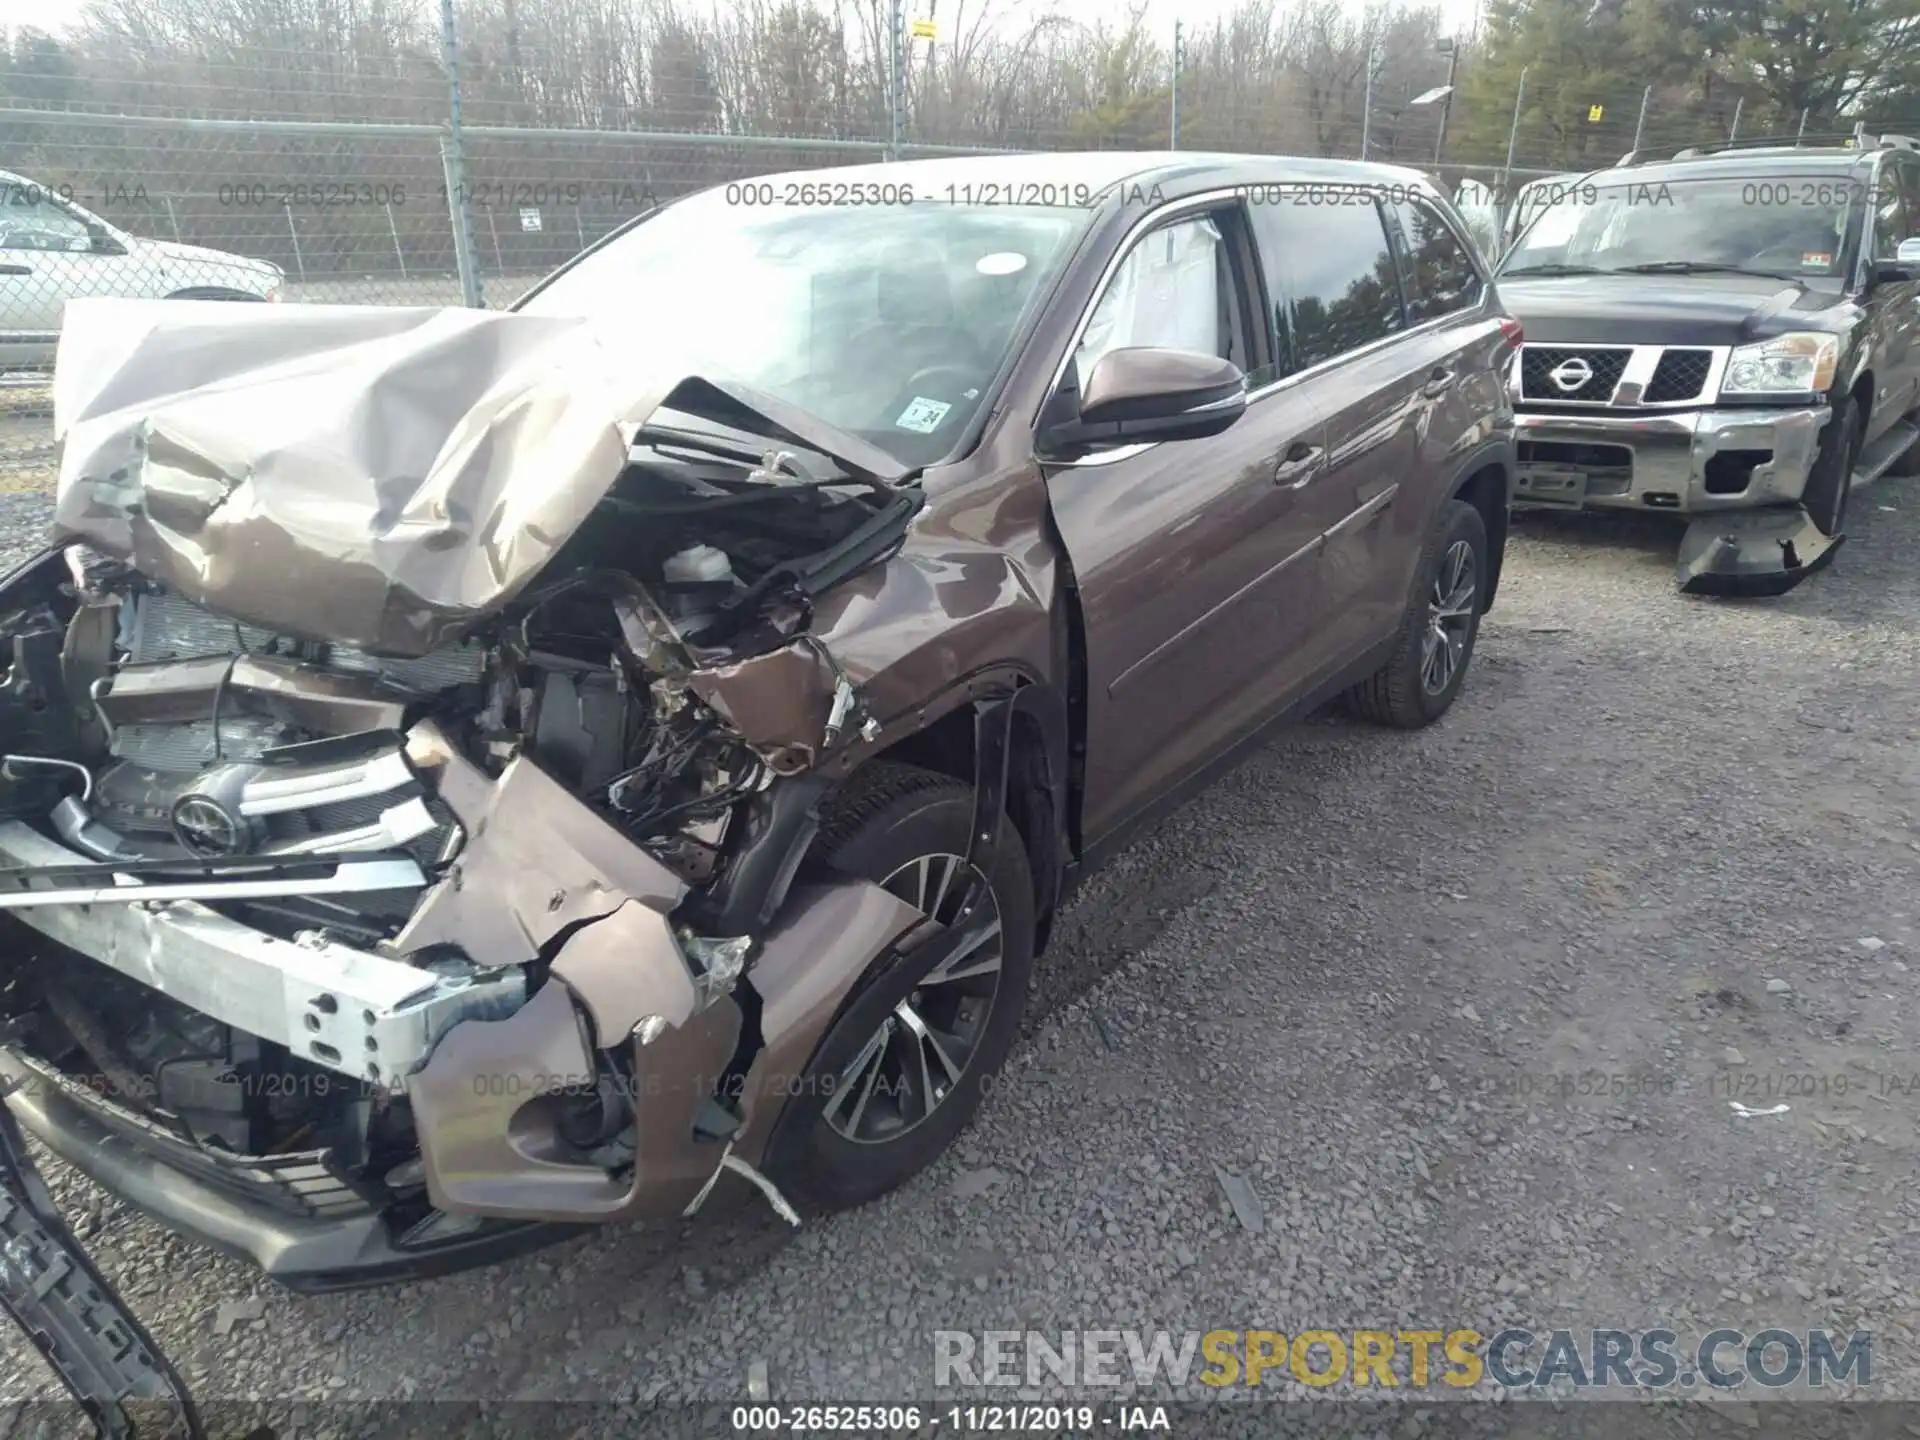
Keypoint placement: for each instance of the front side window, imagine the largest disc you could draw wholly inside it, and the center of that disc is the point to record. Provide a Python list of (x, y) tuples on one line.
[(889, 321), (1330, 261), (1169, 291), (30, 219), (1792, 226)]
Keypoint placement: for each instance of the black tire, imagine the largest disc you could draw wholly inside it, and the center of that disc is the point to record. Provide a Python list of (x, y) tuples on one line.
[(1398, 693), (1830, 481), (888, 816)]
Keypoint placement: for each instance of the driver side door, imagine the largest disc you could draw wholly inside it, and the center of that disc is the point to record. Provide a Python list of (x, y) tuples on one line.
[(1195, 560)]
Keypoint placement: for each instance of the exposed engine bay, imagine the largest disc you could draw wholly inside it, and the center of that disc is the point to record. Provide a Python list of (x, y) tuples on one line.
[(302, 810)]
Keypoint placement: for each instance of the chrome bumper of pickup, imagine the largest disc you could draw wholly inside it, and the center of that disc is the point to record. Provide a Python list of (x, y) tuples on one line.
[(351, 1011), (1653, 461)]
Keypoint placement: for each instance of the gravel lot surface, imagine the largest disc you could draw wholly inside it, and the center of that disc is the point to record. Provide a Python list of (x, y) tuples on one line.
[(1391, 980)]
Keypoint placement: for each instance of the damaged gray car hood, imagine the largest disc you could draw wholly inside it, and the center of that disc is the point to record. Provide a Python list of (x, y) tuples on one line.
[(377, 476)]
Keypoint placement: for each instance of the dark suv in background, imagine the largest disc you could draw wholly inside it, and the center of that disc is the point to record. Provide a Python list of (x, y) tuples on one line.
[(1729, 335)]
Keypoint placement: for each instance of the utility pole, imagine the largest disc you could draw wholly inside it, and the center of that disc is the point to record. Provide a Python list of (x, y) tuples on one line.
[(1173, 104), (1640, 125), (1446, 101)]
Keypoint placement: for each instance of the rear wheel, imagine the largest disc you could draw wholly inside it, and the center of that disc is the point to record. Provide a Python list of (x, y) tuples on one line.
[(1831, 480), (1429, 663), (906, 1063)]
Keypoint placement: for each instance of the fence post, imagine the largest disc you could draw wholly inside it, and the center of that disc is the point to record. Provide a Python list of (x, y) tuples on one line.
[(398, 253), (174, 220), (299, 260), (1733, 133), (896, 82), (1800, 134), (1366, 104), (1173, 103), (1513, 136), (453, 162), (1640, 125), (1446, 101)]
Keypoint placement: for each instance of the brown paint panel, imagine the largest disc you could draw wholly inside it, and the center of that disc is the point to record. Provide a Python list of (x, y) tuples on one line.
[(536, 861)]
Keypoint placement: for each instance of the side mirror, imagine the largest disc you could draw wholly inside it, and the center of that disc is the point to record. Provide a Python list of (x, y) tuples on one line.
[(1143, 394), (1908, 254)]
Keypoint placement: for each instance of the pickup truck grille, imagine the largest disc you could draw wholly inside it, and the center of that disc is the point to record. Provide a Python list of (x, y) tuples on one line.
[(1680, 375), (1591, 377), (1540, 365)]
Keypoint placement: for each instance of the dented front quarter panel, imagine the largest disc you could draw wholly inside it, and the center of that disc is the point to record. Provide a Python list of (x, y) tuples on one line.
[(970, 590)]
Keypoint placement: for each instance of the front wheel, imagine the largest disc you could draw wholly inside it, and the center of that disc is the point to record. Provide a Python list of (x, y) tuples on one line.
[(910, 1056), (1429, 663)]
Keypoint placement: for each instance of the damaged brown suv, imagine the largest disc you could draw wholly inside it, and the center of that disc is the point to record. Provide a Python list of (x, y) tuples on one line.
[(471, 772)]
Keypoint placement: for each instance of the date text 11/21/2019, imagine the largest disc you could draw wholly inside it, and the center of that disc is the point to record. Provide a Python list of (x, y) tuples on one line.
[(769, 1419)]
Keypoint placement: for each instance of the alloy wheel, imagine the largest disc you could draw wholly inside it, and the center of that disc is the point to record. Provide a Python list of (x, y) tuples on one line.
[(1450, 618), (911, 1064)]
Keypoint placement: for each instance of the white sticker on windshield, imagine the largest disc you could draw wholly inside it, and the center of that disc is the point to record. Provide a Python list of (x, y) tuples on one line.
[(1004, 262), (923, 415)]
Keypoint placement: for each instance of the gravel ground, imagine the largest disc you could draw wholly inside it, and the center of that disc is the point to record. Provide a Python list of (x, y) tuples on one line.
[(1661, 839)]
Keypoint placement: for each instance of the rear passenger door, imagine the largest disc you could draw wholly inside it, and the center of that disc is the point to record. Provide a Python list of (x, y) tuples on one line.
[(1327, 254)]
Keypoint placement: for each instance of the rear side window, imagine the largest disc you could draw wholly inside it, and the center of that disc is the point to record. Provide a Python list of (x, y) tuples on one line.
[(1330, 272), (1439, 274), (1890, 213)]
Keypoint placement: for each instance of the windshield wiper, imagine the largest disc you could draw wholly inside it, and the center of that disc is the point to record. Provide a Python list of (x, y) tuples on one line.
[(1551, 268), (1700, 267)]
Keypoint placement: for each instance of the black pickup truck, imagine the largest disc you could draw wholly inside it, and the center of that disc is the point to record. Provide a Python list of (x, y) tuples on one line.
[(1731, 335)]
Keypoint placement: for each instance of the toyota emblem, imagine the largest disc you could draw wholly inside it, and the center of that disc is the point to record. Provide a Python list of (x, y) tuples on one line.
[(206, 828), (1571, 374)]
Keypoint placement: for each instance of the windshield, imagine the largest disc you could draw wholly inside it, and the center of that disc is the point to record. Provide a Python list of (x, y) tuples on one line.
[(888, 321), (1794, 226)]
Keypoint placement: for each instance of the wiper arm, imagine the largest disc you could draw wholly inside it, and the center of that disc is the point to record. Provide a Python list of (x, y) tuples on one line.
[(1553, 268), (1699, 267)]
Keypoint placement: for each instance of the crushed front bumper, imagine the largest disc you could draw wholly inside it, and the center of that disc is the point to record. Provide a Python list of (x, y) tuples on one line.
[(1689, 462), (490, 1066)]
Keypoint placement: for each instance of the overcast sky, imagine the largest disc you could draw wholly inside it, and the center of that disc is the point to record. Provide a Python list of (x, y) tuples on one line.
[(56, 15)]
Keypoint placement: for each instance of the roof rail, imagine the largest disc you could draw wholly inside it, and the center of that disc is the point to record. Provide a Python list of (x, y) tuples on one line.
[(1856, 139)]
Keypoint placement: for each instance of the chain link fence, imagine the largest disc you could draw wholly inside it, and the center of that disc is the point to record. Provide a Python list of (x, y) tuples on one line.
[(362, 153)]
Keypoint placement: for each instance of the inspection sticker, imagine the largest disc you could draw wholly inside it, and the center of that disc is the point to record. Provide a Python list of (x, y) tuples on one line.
[(923, 415)]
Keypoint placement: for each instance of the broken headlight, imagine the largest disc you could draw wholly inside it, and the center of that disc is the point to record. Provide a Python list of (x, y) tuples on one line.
[(1798, 364)]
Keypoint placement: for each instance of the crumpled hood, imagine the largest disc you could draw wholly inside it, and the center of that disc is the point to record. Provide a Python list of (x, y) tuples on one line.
[(376, 476)]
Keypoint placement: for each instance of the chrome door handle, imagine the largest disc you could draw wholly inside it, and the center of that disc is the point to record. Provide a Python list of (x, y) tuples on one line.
[(1298, 467)]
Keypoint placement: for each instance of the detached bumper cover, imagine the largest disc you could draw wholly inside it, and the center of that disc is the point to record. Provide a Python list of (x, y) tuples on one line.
[(1666, 458), (1765, 552), (93, 1342)]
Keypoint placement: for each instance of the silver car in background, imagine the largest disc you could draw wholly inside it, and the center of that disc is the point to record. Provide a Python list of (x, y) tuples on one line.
[(52, 250)]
